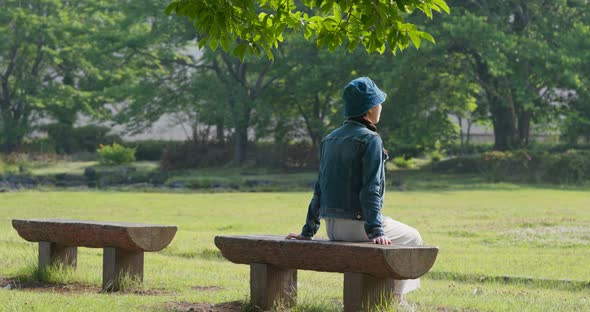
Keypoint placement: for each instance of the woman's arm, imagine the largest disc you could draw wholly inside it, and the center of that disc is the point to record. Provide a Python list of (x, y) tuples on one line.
[(312, 221)]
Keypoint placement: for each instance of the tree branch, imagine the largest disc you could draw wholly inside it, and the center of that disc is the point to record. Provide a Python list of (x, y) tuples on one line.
[(12, 63), (38, 57), (172, 61)]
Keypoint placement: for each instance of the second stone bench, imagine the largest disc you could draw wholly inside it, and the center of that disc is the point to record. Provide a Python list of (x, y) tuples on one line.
[(123, 244)]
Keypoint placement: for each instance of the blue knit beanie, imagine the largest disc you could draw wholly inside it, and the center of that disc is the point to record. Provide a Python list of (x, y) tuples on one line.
[(360, 95)]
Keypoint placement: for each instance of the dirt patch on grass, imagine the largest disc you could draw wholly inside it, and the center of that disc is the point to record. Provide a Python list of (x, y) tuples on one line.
[(70, 288), (4, 283), (148, 292), (449, 309), (38, 286), (206, 288), (235, 306)]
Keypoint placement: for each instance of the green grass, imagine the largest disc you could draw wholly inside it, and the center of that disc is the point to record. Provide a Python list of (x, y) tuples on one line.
[(483, 235)]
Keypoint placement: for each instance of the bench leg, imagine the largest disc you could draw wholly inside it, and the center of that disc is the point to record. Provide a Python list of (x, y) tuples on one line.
[(119, 263), (270, 284), (362, 292), (56, 254)]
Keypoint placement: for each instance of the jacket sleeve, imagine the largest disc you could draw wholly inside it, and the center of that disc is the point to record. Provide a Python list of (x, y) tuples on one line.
[(312, 222), (372, 165)]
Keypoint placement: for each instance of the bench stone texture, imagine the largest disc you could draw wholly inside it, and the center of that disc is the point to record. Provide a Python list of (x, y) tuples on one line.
[(93, 234), (123, 243), (369, 269), (392, 261)]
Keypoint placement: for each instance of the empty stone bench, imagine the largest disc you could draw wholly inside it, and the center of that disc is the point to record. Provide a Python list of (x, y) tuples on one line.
[(369, 269), (123, 244)]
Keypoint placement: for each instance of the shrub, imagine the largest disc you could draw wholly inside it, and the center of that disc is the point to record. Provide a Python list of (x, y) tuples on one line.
[(38, 146), (501, 166), (152, 150), (402, 162), (115, 154), (195, 155), (438, 153), (299, 155), (5, 168), (198, 155), (436, 156), (571, 166), (15, 163), (471, 149)]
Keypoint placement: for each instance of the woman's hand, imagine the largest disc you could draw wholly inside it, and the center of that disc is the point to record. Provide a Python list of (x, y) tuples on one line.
[(297, 236), (382, 240)]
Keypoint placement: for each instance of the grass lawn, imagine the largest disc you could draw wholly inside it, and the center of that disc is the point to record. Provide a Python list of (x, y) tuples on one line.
[(491, 240)]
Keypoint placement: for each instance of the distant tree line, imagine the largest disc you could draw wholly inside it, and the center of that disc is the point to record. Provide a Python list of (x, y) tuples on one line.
[(512, 65)]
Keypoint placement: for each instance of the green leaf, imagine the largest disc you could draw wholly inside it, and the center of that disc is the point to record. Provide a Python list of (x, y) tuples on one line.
[(415, 39), (203, 41), (426, 36), (443, 5), (213, 44), (225, 44), (240, 51), (269, 54), (171, 7), (308, 32)]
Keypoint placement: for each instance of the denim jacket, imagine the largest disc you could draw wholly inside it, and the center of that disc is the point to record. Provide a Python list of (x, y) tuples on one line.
[(351, 181)]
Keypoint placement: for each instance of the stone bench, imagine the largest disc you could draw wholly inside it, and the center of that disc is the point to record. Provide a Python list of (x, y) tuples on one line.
[(123, 243), (369, 269)]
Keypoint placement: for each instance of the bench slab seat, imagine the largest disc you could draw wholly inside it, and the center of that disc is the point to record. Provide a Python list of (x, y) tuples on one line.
[(123, 243), (93, 234), (369, 269)]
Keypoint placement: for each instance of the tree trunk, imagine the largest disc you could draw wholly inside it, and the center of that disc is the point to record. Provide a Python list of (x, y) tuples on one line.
[(505, 129), (12, 132), (461, 134), (219, 131), (240, 144), (468, 135), (241, 135), (524, 125)]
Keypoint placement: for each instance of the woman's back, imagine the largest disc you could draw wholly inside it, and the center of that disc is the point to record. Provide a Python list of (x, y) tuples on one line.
[(341, 169)]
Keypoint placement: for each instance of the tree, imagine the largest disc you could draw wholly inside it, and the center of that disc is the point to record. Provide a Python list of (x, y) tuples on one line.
[(311, 83), (424, 88), (206, 88), (30, 64), (60, 57), (258, 26), (245, 84), (576, 124), (519, 63)]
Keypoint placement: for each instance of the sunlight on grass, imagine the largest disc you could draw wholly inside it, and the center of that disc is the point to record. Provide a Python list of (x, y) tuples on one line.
[(482, 235)]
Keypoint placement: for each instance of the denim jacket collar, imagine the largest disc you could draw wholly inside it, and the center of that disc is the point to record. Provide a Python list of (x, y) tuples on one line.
[(353, 122)]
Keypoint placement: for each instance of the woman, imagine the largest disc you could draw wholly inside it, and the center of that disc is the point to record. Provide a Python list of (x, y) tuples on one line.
[(349, 192)]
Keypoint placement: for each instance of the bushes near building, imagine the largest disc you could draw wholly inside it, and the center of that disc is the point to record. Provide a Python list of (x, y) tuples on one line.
[(115, 154), (570, 166)]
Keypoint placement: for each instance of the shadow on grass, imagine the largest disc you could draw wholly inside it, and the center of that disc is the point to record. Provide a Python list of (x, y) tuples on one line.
[(181, 306), (205, 253), (563, 284), (62, 280), (242, 306)]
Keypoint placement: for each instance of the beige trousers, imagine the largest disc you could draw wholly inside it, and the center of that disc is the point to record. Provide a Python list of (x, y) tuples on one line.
[(399, 233)]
